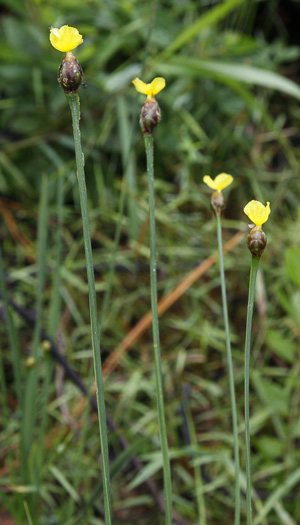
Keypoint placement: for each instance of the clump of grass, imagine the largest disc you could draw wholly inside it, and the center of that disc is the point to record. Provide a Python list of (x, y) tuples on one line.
[(224, 107)]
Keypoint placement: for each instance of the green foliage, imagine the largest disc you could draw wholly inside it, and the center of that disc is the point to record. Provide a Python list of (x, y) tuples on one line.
[(292, 257), (230, 105)]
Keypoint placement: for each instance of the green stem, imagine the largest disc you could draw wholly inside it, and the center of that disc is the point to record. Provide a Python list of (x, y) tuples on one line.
[(12, 335), (197, 468), (112, 267), (31, 388), (74, 103), (155, 330), (253, 274), (55, 302), (231, 375)]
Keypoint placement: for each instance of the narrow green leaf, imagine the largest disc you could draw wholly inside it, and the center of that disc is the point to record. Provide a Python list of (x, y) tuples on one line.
[(180, 66), (64, 482), (28, 515), (281, 345), (282, 490), (147, 472), (292, 258), (211, 17)]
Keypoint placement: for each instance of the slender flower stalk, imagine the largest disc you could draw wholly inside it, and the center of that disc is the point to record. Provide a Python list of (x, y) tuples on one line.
[(149, 118), (253, 274), (155, 330), (73, 100), (231, 376), (218, 204), (70, 77), (258, 214)]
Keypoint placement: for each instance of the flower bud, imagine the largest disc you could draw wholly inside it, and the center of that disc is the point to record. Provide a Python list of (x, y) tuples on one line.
[(70, 74), (218, 202), (150, 116), (46, 346), (30, 362), (257, 241)]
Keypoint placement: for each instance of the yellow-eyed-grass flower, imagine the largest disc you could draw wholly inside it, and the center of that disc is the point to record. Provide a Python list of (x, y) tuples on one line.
[(70, 76), (66, 39), (150, 113), (258, 214), (218, 201)]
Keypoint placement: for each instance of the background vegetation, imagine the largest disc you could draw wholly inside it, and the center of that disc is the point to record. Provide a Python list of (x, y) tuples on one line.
[(231, 104)]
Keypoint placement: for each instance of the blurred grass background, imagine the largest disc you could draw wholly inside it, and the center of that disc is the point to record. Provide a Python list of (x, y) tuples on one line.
[(231, 104)]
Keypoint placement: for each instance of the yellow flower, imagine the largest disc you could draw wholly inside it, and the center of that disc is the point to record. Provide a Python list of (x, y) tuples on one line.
[(221, 181), (65, 39), (257, 212), (149, 89)]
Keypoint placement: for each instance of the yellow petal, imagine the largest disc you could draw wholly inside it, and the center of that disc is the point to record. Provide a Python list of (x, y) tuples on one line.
[(221, 181), (149, 89), (257, 212), (210, 183), (65, 39), (156, 86), (140, 86)]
